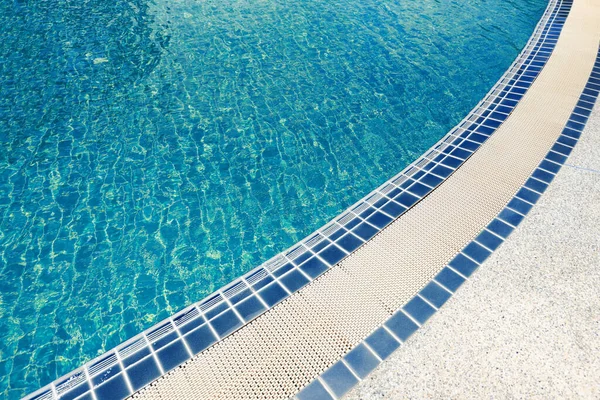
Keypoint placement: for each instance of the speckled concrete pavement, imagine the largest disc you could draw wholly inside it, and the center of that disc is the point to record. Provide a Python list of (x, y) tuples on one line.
[(527, 325)]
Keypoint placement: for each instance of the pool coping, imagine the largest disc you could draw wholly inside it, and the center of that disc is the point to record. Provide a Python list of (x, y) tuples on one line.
[(238, 303)]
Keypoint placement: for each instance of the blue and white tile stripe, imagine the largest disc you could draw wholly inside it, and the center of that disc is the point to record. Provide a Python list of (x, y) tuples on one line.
[(383, 341), (142, 359)]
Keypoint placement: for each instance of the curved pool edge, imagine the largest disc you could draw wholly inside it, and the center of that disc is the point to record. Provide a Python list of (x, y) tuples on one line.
[(166, 345)]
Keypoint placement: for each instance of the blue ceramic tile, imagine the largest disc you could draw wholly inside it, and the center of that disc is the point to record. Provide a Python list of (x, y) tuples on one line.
[(380, 220), (236, 298), (294, 281), (361, 360), (367, 212), (142, 373), (571, 133), (489, 240), (319, 246), (200, 339), (302, 257), (417, 175), (543, 175), (226, 323), (519, 205), (401, 325), (216, 310), (485, 129), (442, 171), (435, 294), (314, 267), (337, 234), (589, 99), (476, 252), (108, 373), (463, 264), (452, 162), (365, 231), (283, 269), (566, 140), (459, 153), (511, 217), (173, 355), (433, 180), (504, 109), (472, 146), (165, 340), (252, 307), (314, 391), (339, 379), (419, 189), (584, 104), (135, 357), (536, 185), (263, 282), (76, 391), (273, 294), (586, 112), (450, 279), (116, 388), (562, 149), (392, 208), (349, 242), (557, 158), (332, 254), (406, 199), (477, 137), (382, 343), (380, 202), (419, 309), (406, 183), (191, 324), (528, 195)]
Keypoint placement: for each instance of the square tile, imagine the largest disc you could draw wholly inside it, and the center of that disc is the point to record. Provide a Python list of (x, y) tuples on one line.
[(401, 325), (251, 307), (294, 281), (226, 323), (382, 343), (200, 338), (173, 355), (142, 373), (435, 294), (419, 309), (361, 360), (339, 379)]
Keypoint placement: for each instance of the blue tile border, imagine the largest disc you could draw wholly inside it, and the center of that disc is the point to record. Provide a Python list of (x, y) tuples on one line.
[(398, 328), (130, 366)]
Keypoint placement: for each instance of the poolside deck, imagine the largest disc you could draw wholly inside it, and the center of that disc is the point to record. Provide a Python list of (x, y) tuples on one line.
[(526, 325), (290, 345)]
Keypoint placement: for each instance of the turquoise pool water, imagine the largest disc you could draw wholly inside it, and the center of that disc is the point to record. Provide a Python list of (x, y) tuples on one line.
[(153, 151)]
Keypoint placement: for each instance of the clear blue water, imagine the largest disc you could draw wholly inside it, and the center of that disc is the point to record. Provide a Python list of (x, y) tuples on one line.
[(152, 151)]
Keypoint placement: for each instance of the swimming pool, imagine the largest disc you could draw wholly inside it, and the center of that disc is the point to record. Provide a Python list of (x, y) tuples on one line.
[(152, 152)]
